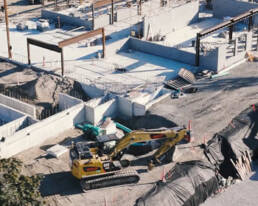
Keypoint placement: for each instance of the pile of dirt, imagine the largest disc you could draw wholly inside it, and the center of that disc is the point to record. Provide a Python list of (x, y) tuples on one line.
[(37, 87), (46, 87)]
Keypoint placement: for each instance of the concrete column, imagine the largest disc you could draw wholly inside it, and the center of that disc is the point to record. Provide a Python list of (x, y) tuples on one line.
[(249, 37), (221, 57), (236, 46), (257, 44)]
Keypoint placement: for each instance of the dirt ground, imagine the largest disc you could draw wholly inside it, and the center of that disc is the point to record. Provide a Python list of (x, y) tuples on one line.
[(210, 110)]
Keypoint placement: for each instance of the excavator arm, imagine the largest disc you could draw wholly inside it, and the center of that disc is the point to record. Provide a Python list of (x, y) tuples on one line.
[(172, 135), (167, 145)]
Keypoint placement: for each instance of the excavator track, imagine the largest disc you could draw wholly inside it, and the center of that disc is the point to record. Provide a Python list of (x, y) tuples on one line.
[(117, 178)]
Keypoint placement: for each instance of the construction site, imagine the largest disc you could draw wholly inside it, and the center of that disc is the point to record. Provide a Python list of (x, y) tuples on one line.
[(128, 102)]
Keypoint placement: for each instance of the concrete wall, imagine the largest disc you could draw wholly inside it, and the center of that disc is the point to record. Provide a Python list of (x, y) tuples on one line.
[(210, 59), (139, 109), (160, 50), (223, 8), (12, 127), (172, 19), (76, 21), (8, 114), (92, 91), (95, 113), (216, 59), (125, 107), (67, 101), (19, 105), (39, 132)]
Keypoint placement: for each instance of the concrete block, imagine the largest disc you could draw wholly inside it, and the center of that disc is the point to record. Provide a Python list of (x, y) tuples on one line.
[(57, 150)]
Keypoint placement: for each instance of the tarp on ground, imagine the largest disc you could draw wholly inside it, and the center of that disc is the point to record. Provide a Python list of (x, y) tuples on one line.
[(187, 184), (238, 136)]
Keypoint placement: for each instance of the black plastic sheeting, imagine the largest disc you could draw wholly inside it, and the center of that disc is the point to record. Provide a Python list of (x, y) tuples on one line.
[(187, 184), (239, 136)]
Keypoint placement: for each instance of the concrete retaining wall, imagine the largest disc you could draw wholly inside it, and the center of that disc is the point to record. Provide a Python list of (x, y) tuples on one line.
[(139, 109), (95, 111), (12, 127), (160, 50), (8, 114), (108, 109), (47, 14), (66, 101), (92, 91), (210, 59), (125, 107), (172, 19), (223, 8), (39, 132), (18, 105)]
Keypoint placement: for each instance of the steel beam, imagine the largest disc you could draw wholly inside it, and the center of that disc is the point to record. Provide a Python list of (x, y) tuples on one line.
[(112, 11), (62, 62), (44, 45), (78, 38), (102, 3), (229, 22), (231, 27), (103, 43), (93, 20), (99, 4), (250, 23), (28, 52), (197, 47), (7, 29)]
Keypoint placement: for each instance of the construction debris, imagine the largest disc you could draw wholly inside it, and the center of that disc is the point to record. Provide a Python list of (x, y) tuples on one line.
[(184, 78), (243, 165)]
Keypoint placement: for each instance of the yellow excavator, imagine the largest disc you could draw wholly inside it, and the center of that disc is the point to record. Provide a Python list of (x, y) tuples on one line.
[(97, 170)]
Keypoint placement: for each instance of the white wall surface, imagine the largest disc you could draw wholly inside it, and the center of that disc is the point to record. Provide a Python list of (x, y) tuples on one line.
[(67, 101), (172, 19), (39, 132), (8, 114), (19, 105)]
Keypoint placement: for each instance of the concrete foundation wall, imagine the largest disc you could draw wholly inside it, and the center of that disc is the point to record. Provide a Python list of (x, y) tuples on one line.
[(66, 101), (92, 91), (160, 50), (139, 109), (172, 19), (210, 60), (18, 105), (47, 14), (108, 109), (223, 8), (39, 132), (8, 114), (125, 107), (11, 128), (95, 113)]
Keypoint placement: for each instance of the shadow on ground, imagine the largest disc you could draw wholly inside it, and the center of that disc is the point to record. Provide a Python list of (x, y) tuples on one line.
[(61, 183), (149, 121)]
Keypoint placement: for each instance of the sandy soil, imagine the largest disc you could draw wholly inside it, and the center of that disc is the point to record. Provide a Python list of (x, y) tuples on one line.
[(210, 110)]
